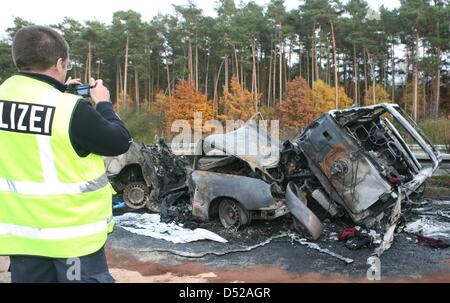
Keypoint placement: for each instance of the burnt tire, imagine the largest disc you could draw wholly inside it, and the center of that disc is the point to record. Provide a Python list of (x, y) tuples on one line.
[(136, 195), (233, 215)]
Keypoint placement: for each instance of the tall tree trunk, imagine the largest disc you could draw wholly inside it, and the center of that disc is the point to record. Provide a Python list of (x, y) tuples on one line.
[(316, 63), (438, 71), (216, 82), (227, 82), (89, 60), (366, 76), (285, 66), (150, 79), (374, 97), (345, 78), (289, 65), (281, 73), (255, 77), (196, 67), (319, 54), (125, 76), (190, 63), (416, 78), (300, 62), (424, 100), (314, 55), (158, 77), (313, 73), (242, 70), (260, 76), (269, 91), (136, 87), (393, 71), (117, 84), (168, 78), (120, 79), (274, 79), (236, 60), (307, 69), (327, 70), (207, 75), (173, 77), (152, 83), (146, 91), (86, 70), (438, 84), (98, 70), (355, 77), (254, 88), (336, 79)]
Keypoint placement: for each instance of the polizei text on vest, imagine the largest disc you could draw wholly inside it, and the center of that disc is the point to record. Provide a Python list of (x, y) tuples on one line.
[(26, 118)]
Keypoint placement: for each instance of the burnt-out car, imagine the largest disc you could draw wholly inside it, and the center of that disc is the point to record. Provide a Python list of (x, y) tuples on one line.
[(145, 174), (362, 159), (352, 162), (237, 186)]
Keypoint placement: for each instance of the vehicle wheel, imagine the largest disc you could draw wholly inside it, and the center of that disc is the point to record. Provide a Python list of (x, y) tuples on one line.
[(232, 214), (136, 195)]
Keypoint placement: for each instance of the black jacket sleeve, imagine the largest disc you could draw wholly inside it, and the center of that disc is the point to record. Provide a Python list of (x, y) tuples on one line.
[(99, 131)]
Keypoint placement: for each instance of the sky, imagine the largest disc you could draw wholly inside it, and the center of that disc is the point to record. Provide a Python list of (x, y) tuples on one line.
[(45, 12)]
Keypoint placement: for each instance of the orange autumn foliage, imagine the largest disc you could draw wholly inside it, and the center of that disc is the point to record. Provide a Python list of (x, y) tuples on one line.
[(297, 110), (185, 102), (237, 103)]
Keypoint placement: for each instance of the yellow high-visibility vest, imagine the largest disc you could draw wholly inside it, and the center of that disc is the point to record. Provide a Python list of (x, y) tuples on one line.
[(53, 203)]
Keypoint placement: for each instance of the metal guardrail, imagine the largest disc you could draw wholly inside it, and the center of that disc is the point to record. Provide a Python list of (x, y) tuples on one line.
[(441, 148)]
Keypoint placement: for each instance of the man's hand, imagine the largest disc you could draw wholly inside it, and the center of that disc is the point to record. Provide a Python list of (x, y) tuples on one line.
[(73, 81), (99, 93)]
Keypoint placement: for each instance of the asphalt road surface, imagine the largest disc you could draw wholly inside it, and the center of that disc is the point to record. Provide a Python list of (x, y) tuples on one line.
[(281, 260), (135, 258)]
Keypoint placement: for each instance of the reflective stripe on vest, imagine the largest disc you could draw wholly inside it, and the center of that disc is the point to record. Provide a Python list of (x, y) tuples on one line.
[(52, 188), (54, 233)]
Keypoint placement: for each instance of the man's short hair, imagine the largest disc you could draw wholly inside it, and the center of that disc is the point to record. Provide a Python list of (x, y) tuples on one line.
[(38, 48)]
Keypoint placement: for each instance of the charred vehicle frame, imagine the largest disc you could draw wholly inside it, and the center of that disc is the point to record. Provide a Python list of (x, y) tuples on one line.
[(146, 174), (349, 162)]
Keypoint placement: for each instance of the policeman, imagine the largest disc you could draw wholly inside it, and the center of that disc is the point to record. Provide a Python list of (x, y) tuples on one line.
[(55, 200)]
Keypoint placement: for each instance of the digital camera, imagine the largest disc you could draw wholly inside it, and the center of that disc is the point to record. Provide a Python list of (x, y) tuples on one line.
[(83, 90)]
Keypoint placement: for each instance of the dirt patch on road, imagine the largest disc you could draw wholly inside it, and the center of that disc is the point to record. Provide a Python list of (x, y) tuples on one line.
[(4, 274), (134, 270), (127, 269), (128, 276)]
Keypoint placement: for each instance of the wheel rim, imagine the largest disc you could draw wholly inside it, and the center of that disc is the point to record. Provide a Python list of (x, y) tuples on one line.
[(231, 214), (136, 195)]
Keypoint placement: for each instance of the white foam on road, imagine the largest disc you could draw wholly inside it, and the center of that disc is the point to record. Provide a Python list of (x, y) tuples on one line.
[(150, 225)]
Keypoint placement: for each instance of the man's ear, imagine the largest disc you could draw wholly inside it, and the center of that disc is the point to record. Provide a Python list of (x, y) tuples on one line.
[(59, 63)]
